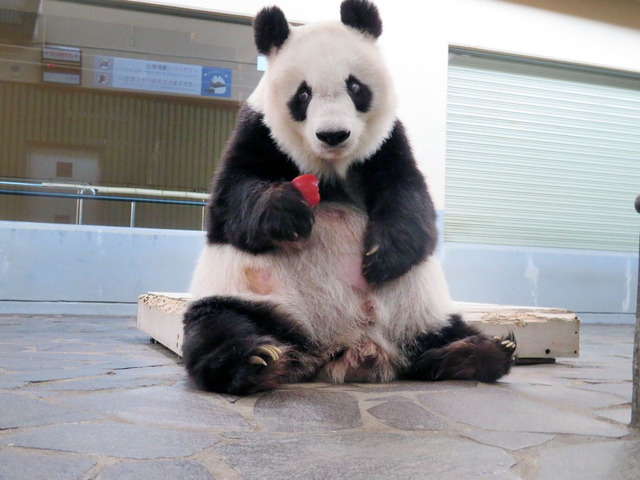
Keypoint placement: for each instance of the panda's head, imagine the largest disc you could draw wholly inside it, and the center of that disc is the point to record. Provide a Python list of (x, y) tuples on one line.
[(327, 95)]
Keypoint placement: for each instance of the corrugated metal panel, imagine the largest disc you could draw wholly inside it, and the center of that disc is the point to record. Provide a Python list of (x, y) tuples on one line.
[(142, 141), (541, 155)]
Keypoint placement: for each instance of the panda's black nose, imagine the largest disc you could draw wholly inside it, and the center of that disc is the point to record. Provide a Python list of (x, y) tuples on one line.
[(333, 138)]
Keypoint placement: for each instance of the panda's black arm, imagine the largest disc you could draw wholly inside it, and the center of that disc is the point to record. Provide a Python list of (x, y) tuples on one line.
[(253, 205), (402, 219)]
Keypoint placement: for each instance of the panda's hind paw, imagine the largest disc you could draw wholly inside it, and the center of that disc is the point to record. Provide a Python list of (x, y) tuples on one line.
[(264, 353), (507, 343)]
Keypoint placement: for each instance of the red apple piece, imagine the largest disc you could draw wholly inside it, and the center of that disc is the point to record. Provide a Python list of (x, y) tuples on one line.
[(307, 185)]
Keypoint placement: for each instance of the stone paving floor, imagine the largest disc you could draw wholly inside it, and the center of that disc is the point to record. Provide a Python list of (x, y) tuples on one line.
[(92, 398)]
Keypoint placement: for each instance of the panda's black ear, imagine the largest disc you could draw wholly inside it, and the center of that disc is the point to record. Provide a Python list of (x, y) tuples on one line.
[(270, 29), (361, 15)]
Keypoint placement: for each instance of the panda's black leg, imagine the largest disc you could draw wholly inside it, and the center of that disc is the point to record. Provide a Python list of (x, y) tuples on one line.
[(239, 347), (461, 352)]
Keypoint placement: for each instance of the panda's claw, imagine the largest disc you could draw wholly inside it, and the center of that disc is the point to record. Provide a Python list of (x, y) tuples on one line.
[(255, 360), (507, 342), (271, 351), (372, 250)]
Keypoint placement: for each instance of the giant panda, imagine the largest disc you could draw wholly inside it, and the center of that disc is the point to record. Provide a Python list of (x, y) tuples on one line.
[(348, 290)]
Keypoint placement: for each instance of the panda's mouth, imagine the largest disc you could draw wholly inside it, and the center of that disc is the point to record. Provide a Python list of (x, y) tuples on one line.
[(333, 153)]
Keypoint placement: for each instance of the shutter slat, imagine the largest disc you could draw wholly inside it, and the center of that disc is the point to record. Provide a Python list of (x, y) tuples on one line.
[(541, 155)]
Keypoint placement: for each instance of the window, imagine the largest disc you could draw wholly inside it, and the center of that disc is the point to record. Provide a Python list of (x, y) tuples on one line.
[(115, 96)]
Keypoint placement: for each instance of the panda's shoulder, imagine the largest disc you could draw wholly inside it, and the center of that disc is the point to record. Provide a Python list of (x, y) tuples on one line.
[(394, 153), (253, 148), (250, 125)]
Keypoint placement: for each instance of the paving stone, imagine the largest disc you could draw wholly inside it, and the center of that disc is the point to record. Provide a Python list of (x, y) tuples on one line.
[(21, 411), (38, 367), (54, 374), (620, 415), (604, 374), (592, 461), (104, 366), (569, 395), (535, 375), (113, 439), (492, 408), (410, 386), (621, 389), (156, 470), (129, 378), (8, 381), (508, 440), (406, 415), (165, 406), (302, 410), (30, 361), (25, 465), (365, 455)]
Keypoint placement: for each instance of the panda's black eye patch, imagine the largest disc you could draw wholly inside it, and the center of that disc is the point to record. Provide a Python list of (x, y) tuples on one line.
[(360, 94), (300, 102)]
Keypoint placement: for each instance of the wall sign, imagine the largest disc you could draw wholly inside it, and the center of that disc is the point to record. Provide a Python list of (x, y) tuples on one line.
[(59, 53), (162, 77), (61, 64)]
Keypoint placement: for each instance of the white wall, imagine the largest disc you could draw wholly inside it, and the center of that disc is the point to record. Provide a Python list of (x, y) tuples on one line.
[(417, 35)]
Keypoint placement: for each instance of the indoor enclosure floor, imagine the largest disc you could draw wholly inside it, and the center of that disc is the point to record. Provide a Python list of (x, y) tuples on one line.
[(93, 398)]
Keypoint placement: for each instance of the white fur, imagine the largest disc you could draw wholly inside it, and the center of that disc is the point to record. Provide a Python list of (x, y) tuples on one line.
[(317, 283), (324, 55)]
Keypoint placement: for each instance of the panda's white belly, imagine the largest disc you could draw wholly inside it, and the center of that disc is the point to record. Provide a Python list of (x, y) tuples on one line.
[(318, 282)]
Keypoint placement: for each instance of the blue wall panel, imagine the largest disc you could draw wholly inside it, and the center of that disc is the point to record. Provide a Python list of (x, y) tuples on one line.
[(68, 269), (46, 268)]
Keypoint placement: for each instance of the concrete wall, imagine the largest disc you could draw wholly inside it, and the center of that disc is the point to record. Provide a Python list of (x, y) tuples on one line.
[(64, 269), (598, 286), (68, 269)]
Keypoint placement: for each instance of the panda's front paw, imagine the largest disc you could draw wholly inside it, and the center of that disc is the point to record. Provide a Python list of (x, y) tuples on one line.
[(384, 258), (284, 216), (264, 353)]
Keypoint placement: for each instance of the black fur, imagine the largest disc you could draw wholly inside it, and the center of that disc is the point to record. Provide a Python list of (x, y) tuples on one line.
[(361, 15), (221, 334), (300, 102), (402, 219), (253, 205), (360, 94), (270, 29), (460, 352)]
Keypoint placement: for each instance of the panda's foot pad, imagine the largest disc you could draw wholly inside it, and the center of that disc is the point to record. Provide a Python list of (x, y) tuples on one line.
[(507, 343), (264, 353)]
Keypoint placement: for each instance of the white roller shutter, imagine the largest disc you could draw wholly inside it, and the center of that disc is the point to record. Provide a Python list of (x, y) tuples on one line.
[(541, 154)]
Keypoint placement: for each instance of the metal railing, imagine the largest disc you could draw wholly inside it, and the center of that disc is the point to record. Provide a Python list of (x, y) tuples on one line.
[(82, 192)]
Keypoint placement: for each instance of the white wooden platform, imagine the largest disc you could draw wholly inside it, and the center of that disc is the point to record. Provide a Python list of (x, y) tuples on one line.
[(543, 334)]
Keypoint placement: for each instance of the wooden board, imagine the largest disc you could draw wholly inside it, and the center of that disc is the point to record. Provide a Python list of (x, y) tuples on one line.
[(160, 316), (541, 333)]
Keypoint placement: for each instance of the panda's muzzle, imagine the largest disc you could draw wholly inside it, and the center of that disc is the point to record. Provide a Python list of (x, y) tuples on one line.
[(333, 138)]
